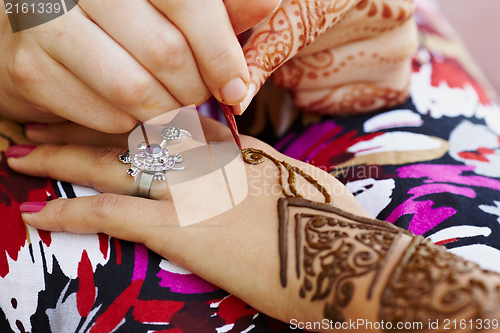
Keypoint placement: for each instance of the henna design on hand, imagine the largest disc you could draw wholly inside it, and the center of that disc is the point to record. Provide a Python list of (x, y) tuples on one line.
[(342, 72), (292, 27), (257, 156), (331, 252), (430, 283), (379, 60), (334, 250)]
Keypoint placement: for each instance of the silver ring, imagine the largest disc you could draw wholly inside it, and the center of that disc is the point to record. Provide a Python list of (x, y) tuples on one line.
[(173, 135), (150, 164)]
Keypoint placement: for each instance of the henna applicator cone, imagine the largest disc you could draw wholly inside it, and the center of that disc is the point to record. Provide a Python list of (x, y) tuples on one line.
[(228, 113)]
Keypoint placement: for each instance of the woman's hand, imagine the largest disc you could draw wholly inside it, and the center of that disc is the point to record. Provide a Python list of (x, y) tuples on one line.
[(339, 56), (236, 250), (361, 64), (106, 64), (301, 261)]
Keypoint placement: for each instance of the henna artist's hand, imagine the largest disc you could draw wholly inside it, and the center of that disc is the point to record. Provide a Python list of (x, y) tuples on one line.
[(338, 56), (106, 64), (292, 258)]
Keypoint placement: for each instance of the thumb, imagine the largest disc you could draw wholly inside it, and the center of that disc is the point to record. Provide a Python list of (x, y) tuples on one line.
[(293, 26)]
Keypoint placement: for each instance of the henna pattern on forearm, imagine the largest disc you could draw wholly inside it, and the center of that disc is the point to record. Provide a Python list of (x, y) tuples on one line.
[(358, 26), (331, 252), (335, 249), (430, 283), (331, 78)]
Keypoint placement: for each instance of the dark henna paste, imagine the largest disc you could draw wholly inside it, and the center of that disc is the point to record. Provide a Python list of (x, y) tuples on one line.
[(256, 156), (430, 284), (334, 248), (342, 256)]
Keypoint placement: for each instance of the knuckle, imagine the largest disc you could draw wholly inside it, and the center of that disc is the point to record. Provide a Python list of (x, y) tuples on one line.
[(124, 123), (103, 205), (167, 50), (105, 157), (21, 69), (60, 209), (132, 91), (200, 98)]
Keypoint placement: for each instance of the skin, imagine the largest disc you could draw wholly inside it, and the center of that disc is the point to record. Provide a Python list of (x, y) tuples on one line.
[(360, 64), (236, 250), (354, 58), (164, 64), (112, 214), (155, 59)]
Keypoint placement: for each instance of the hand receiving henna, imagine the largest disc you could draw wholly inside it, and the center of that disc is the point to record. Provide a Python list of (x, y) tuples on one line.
[(231, 243), (307, 252), (336, 56)]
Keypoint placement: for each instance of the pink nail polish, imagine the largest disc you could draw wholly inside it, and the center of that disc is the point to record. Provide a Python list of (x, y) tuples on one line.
[(32, 207), (19, 151), (34, 126)]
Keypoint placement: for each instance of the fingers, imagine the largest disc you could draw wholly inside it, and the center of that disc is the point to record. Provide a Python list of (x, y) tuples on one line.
[(65, 133), (101, 63), (158, 45), (211, 37), (123, 217), (292, 27), (87, 166), (73, 134), (244, 14), (102, 169), (47, 87), (377, 60)]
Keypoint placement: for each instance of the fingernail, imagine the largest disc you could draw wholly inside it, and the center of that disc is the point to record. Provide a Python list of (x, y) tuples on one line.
[(240, 108), (32, 207), (19, 151), (278, 6), (34, 126), (234, 92)]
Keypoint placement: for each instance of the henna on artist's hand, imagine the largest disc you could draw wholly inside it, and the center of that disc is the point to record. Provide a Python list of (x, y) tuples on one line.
[(337, 56), (292, 27)]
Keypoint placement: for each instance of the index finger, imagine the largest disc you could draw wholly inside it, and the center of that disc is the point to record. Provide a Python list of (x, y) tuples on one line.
[(209, 32)]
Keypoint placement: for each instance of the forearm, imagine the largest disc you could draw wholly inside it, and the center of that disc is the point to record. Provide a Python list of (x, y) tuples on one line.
[(373, 277)]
